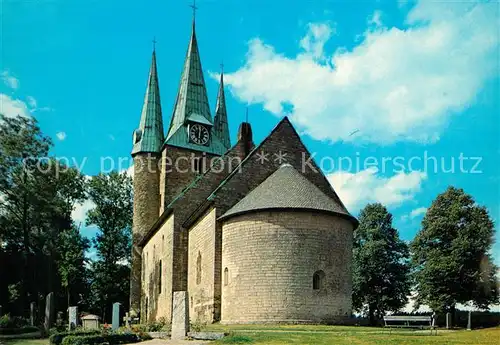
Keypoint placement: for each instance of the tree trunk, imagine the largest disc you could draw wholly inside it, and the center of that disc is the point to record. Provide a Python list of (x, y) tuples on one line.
[(371, 313), (453, 313)]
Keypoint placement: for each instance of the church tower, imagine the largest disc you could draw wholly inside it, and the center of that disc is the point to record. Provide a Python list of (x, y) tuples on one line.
[(193, 135), (147, 143)]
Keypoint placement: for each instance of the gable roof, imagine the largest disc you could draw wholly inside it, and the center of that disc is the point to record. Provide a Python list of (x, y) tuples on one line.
[(286, 188), (212, 185)]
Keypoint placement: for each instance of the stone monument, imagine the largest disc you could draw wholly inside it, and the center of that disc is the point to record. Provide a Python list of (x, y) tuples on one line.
[(469, 321), (72, 317), (180, 315), (448, 320), (116, 315), (49, 311), (32, 313)]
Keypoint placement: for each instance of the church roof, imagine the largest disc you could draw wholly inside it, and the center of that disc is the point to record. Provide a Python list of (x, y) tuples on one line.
[(192, 95), (221, 123), (286, 188), (149, 136)]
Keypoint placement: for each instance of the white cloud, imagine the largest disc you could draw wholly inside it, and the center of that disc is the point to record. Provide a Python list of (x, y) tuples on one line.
[(314, 42), (11, 107), (80, 210), (357, 189), (61, 135), (10, 80), (418, 211), (375, 19), (31, 101), (398, 83)]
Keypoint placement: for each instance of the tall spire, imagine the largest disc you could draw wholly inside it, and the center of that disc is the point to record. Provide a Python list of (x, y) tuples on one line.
[(220, 121), (149, 136), (192, 100)]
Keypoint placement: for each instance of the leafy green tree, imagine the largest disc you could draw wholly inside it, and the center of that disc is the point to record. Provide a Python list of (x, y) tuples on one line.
[(112, 196), (71, 263), (38, 194), (380, 264), (451, 254)]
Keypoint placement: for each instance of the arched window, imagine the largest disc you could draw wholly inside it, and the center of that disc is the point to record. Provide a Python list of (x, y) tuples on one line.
[(318, 280), (198, 269), (197, 165), (226, 276)]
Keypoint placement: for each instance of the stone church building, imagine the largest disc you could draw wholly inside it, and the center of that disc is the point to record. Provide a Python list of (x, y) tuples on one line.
[(253, 232)]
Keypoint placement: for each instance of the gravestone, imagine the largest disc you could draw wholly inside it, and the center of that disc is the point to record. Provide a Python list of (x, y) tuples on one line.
[(72, 317), (49, 311), (469, 321), (127, 320), (32, 313), (180, 315), (448, 320), (116, 315), (90, 321)]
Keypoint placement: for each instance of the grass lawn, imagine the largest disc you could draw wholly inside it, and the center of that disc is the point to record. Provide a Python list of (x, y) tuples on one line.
[(322, 335)]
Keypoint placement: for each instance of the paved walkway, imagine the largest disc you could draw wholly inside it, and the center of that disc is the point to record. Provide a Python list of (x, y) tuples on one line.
[(173, 342)]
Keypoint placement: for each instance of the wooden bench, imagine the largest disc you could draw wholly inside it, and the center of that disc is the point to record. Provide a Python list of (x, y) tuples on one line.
[(422, 322)]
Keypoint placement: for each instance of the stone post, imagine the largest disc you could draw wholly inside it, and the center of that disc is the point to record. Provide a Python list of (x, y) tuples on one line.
[(180, 315), (49, 311), (32, 313), (72, 317), (115, 324), (469, 321), (448, 320)]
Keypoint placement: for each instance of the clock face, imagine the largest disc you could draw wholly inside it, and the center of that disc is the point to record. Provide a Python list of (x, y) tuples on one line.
[(198, 134)]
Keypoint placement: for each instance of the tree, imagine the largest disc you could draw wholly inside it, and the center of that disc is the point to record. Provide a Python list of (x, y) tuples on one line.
[(380, 264), (112, 196), (71, 262), (451, 254), (38, 194)]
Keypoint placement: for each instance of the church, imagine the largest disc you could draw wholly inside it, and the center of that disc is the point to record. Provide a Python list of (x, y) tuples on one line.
[(251, 232)]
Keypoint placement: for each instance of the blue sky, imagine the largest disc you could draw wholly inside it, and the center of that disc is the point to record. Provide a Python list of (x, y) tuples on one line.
[(358, 79)]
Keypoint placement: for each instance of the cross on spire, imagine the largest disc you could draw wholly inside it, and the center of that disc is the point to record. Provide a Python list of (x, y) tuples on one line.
[(154, 43), (222, 67), (193, 6)]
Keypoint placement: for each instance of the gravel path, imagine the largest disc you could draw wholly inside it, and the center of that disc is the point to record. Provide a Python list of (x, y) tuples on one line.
[(173, 342)]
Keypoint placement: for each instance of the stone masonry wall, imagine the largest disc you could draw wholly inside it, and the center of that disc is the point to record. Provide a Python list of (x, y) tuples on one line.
[(201, 269), (159, 248), (271, 258), (146, 205)]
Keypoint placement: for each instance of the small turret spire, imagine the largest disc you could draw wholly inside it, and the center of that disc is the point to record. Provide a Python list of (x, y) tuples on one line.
[(220, 120), (149, 136)]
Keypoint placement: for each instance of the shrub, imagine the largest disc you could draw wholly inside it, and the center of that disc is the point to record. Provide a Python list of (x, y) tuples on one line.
[(105, 338), (57, 339), (19, 330), (7, 321)]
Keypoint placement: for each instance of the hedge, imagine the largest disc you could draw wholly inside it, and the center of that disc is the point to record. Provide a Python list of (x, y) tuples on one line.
[(110, 338), (57, 339), (18, 330)]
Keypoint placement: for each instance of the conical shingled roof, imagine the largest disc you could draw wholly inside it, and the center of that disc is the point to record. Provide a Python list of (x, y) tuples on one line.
[(286, 188), (149, 135), (220, 119), (192, 96)]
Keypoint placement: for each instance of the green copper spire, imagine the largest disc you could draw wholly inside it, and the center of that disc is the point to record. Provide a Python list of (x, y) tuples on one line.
[(192, 100), (221, 126), (149, 136)]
